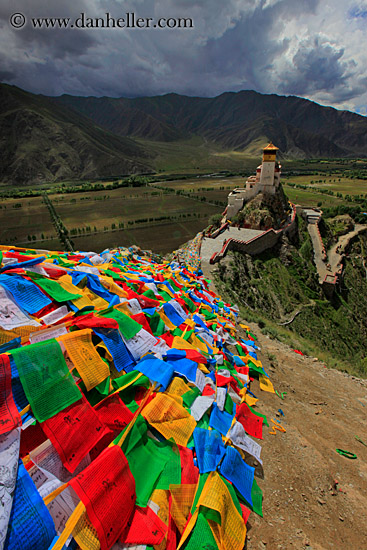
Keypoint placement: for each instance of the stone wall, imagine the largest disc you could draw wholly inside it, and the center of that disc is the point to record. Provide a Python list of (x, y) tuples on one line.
[(258, 244)]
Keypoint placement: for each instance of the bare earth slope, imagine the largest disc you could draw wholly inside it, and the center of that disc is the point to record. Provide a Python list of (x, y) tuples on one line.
[(323, 410)]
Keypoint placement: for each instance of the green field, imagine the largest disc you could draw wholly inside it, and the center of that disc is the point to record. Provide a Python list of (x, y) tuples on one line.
[(335, 182), (307, 197), (161, 238), (22, 217), (197, 155), (203, 183), (102, 209)]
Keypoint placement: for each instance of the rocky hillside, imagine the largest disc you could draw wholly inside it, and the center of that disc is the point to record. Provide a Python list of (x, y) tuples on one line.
[(41, 141), (280, 289), (264, 211)]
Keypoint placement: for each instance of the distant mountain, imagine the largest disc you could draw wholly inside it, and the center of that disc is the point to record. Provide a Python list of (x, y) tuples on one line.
[(59, 138), (299, 127), (43, 141)]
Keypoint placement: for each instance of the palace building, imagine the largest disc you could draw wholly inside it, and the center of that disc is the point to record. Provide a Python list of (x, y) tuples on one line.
[(267, 181)]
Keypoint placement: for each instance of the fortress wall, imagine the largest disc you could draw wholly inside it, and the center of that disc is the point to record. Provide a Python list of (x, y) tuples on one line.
[(256, 245)]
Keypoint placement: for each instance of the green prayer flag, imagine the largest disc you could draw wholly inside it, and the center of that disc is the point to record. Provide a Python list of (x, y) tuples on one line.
[(172, 471), (166, 297), (190, 304), (228, 405), (156, 324), (128, 327), (53, 289), (202, 537), (254, 369), (257, 499), (149, 294), (45, 377), (147, 459), (125, 380), (113, 274), (190, 396)]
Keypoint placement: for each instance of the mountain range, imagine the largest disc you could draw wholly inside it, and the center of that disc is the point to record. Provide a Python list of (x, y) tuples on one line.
[(68, 137)]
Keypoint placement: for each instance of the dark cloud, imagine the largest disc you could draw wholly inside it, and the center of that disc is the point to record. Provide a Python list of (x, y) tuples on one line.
[(318, 67), (236, 44)]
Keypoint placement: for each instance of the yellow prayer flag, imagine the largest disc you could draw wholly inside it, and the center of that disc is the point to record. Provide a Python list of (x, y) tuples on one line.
[(85, 358), (165, 320), (181, 343), (216, 496), (109, 283), (198, 344), (182, 499), (160, 497), (265, 384), (85, 534), (170, 419), (177, 387), (250, 400), (203, 368)]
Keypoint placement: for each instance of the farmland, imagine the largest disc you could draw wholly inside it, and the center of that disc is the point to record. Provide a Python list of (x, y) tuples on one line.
[(160, 212), (151, 218), (161, 237), (309, 197), (24, 218)]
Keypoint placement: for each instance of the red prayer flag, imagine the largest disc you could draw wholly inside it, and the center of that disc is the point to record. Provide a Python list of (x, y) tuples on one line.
[(114, 413), (194, 355), (189, 472), (222, 380), (31, 438), (208, 390), (245, 512), (144, 528), (9, 415), (91, 321), (107, 489), (168, 338), (145, 302), (252, 423), (142, 320), (73, 432), (54, 273)]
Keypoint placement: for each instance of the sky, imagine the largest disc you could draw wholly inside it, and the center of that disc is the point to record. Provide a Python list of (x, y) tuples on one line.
[(315, 49)]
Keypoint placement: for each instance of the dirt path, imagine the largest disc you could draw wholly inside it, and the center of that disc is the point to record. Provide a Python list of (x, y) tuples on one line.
[(304, 507), (318, 252), (334, 257)]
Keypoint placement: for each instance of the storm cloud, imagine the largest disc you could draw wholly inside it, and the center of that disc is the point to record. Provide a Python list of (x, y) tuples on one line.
[(311, 48)]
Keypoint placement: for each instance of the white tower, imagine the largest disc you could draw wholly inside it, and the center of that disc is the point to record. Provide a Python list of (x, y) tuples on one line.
[(270, 170)]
